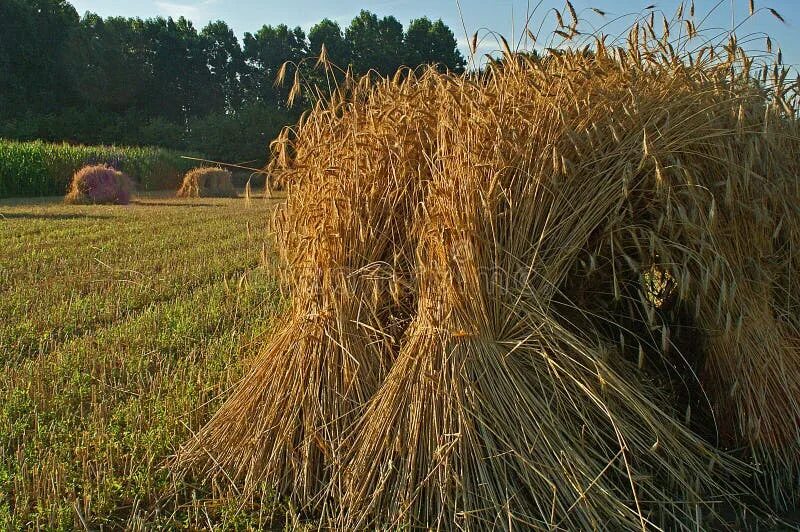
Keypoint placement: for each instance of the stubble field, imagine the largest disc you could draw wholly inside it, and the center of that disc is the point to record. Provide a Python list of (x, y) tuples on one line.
[(120, 327)]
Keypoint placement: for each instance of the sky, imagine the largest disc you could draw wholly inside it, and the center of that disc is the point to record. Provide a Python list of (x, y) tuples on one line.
[(503, 16)]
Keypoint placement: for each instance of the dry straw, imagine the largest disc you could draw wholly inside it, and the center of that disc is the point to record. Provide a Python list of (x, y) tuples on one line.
[(560, 293), (206, 182), (99, 184)]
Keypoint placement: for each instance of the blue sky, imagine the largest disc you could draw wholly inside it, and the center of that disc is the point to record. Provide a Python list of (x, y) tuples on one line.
[(504, 16)]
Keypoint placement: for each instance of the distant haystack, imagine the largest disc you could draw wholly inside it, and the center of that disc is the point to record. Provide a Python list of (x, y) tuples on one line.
[(99, 184), (207, 183)]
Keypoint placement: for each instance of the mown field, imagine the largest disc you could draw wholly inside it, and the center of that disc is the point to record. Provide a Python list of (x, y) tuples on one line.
[(120, 327)]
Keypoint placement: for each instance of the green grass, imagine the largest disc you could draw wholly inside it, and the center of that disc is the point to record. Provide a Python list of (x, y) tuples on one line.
[(38, 168), (120, 329)]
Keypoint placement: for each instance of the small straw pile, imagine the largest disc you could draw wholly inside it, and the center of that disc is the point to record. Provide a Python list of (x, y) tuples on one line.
[(205, 182), (99, 184), (557, 294)]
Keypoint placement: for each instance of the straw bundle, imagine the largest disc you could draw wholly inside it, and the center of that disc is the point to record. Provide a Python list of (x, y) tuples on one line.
[(346, 244), (547, 296), (99, 184), (207, 182)]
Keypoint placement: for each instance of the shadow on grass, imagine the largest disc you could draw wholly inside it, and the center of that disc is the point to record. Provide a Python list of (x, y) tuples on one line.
[(46, 216), (173, 204)]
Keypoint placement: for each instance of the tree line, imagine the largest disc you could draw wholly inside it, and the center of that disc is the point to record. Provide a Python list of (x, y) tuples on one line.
[(161, 81)]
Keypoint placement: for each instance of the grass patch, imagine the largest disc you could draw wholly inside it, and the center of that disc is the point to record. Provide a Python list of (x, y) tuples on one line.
[(119, 329)]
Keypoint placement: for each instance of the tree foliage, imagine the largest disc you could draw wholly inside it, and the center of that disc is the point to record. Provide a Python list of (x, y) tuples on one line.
[(376, 44), (330, 34), (161, 81), (429, 42), (265, 52)]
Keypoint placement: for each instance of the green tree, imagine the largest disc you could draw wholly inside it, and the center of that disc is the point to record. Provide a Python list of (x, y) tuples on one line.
[(376, 43), (113, 57), (180, 86), (240, 137), (330, 34), (160, 81), (37, 41), (429, 42), (225, 60), (265, 52), (161, 132)]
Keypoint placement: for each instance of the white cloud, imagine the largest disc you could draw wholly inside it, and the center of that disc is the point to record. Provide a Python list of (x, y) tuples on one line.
[(189, 10), (486, 45)]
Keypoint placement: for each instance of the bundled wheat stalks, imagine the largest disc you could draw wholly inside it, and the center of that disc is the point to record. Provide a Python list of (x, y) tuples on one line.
[(99, 184), (552, 295), (205, 182), (344, 241)]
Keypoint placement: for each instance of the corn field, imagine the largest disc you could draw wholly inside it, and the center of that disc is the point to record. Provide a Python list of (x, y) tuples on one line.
[(43, 169)]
